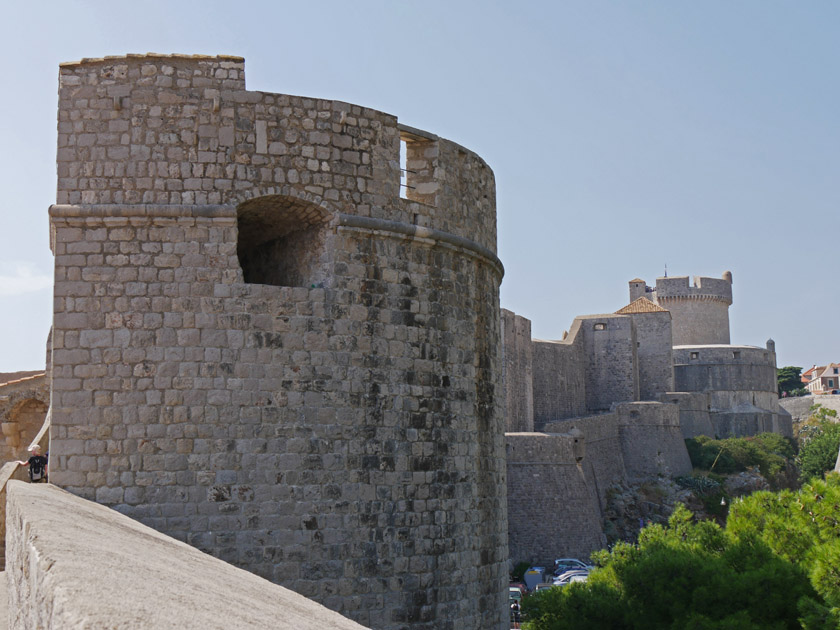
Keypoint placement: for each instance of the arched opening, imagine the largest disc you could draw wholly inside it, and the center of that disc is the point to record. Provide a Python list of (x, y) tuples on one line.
[(282, 241), (23, 423)]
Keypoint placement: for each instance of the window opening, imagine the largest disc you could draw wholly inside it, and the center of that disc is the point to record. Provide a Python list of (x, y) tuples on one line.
[(282, 241)]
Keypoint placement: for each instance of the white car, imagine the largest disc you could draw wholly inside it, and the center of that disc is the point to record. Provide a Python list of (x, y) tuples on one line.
[(579, 575)]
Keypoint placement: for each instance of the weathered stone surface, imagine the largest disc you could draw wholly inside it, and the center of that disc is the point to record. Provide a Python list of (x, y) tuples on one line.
[(284, 363), (76, 564)]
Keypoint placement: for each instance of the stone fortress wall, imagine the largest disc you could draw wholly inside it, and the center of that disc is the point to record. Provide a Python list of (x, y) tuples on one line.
[(800, 407), (260, 348), (586, 391), (623, 386)]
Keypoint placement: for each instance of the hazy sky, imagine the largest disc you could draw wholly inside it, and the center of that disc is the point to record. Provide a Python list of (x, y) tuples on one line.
[(624, 136)]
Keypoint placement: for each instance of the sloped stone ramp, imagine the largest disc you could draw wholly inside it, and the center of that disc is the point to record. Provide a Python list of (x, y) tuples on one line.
[(71, 563)]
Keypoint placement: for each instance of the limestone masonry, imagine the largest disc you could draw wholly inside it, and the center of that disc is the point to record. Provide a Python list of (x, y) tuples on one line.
[(260, 348), (612, 402), (267, 346)]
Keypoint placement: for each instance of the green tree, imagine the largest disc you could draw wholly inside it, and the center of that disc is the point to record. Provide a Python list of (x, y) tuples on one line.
[(684, 575), (819, 443), (790, 380)]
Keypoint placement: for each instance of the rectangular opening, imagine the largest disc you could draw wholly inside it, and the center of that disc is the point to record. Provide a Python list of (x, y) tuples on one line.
[(403, 170), (600, 326), (736, 355), (695, 355)]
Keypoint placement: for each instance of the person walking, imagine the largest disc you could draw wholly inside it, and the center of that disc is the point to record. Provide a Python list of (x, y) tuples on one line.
[(37, 464)]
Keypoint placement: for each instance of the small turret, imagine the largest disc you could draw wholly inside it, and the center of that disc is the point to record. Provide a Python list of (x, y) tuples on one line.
[(637, 289)]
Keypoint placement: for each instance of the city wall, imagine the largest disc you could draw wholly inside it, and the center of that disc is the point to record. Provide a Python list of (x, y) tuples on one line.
[(800, 407), (551, 507), (739, 384), (261, 349)]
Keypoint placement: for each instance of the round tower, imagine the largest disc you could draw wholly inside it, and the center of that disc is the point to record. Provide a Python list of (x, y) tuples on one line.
[(699, 311), (279, 357)]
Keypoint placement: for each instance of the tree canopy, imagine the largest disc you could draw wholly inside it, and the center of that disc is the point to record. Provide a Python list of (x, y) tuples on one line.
[(776, 565), (790, 381)]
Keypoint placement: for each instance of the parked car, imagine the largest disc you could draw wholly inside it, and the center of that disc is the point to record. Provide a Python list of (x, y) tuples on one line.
[(514, 594), (543, 586), (566, 564), (567, 574)]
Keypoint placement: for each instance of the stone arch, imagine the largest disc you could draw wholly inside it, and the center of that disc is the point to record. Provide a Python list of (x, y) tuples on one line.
[(23, 422), (282, 241)]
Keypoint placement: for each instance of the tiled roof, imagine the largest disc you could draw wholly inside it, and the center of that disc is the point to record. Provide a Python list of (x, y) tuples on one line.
[(641, 305), (637, 280), (13, 377)]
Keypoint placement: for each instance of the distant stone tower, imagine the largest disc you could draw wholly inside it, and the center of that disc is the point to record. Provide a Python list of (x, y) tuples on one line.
[(699, 312)]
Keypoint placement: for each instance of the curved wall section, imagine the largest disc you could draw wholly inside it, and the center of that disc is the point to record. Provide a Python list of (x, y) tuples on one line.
[(336, 428)]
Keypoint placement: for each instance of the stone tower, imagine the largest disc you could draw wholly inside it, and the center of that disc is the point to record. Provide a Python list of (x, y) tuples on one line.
[(262, 348), (699, 312)]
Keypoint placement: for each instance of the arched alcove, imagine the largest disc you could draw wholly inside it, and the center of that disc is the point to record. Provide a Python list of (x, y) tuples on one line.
[(282, 241), (24, 421)]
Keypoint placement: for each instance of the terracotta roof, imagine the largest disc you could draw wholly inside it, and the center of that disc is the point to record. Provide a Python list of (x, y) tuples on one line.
[(12, 377), (641, 305), (637, 280)]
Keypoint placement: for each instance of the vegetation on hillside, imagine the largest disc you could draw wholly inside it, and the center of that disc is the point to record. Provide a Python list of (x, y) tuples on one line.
[(819, 442), (769, 452), (774, 565)]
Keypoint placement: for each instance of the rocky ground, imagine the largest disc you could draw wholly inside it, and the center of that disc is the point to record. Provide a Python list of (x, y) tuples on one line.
[(631, 507)]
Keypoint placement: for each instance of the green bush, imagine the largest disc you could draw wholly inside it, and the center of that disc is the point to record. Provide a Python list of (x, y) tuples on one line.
[(769, 452)]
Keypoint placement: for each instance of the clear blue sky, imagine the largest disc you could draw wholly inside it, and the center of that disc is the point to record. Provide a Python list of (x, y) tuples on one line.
[(624, 136)]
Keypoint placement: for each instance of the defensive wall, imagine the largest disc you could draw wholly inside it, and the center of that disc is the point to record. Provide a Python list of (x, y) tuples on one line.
[(262, 349), (551, 506), (800, 407), (739, 383), (133, 576), (624, 386), (633, 442)]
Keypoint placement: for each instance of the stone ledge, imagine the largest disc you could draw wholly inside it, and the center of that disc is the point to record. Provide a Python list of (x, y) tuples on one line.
[(136, 56), (75, 564)]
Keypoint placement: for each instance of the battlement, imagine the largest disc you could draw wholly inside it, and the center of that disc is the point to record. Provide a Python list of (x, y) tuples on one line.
[(183, 130), (678, 288), (700, 310)]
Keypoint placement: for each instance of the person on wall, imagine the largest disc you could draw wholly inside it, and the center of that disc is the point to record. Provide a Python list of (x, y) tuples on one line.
[(37, 464)]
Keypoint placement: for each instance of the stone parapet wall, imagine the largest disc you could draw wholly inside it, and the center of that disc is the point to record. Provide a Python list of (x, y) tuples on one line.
[(552, 509), (652, 442), (133, 576), (695, 418), (724, 368), (800, 407), (334, 425), (559, 378), (179, 129), (603, 462)]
